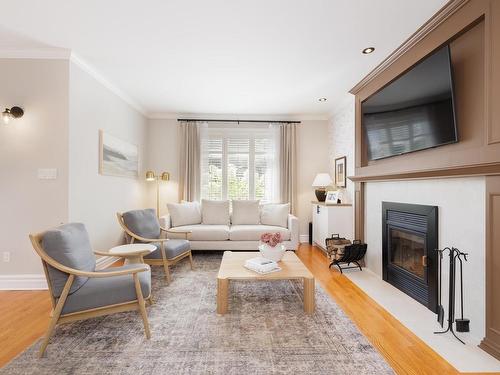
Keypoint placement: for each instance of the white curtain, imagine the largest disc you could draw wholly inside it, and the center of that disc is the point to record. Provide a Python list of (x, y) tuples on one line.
[(189, 169), (288, 165)]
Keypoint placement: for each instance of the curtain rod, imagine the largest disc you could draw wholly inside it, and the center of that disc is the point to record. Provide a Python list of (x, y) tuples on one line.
[(238, 121)]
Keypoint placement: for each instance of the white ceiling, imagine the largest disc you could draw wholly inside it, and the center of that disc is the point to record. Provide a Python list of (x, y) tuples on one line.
[(257, 57)]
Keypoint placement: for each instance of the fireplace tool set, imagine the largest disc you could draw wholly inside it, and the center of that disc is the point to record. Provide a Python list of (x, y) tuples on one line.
[(462, 324)]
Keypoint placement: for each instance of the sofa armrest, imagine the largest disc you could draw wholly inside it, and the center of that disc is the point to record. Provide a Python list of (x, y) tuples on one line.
[(166, 222), (293, 227)]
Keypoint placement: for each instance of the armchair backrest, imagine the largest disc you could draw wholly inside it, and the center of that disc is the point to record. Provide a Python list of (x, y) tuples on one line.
[(67, 245), (143, 223)]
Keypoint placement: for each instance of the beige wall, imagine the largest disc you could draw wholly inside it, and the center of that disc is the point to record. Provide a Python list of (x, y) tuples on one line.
[(37, 140), (93, 198), (313, 157)]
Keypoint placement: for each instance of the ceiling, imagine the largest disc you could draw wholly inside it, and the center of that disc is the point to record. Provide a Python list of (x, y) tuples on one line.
[(259, 57)]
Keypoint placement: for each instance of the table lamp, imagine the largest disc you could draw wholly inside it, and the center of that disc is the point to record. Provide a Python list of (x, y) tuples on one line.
[(321, 181)]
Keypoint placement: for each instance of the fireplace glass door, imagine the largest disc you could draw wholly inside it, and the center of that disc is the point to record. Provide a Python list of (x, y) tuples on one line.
[(407, 251)]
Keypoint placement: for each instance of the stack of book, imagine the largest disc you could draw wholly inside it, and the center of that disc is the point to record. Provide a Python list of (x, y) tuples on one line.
[(262, 265)]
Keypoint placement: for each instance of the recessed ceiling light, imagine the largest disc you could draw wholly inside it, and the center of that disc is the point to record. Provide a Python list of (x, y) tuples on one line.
[(368, 50), (322, 99)]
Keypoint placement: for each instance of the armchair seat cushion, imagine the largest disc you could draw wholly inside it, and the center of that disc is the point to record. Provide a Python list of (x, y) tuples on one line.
[(173, 248), (100, 292)]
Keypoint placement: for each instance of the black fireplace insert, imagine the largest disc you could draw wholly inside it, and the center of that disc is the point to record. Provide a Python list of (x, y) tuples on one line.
[(409, 240)]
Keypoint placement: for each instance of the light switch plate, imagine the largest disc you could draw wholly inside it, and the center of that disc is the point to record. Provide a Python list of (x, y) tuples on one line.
[(47, 173)]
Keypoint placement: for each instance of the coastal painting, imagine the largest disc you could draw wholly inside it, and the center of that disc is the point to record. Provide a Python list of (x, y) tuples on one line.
[(117, 157)]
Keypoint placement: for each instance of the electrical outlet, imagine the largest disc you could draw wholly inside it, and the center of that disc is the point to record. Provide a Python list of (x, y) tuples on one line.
[(6, 256)]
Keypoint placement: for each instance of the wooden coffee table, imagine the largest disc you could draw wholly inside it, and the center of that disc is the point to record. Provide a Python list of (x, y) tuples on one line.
[(231, 268)]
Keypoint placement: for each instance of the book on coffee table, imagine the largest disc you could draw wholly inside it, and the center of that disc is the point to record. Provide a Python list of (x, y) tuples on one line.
[(262, 265)]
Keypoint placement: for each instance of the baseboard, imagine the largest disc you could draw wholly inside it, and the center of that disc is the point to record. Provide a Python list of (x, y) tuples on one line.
[(23, 282), (37, 281), (304, 238)]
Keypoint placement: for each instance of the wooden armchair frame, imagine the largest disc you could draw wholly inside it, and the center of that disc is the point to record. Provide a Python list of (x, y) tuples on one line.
[(163, 261), (58, 303)]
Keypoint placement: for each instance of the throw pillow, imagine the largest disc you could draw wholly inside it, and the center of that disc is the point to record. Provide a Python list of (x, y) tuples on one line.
[(275, 214), (215, 212), (245, 212), (186, 213)]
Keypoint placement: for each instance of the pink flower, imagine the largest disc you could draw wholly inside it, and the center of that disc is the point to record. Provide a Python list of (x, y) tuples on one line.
[(271, 239)]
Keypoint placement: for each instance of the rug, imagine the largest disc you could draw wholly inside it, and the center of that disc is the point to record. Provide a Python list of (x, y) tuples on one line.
[(265, 332)]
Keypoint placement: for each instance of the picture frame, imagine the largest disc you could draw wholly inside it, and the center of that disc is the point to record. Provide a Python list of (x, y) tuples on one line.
[(332, 197), (117, 157), (340, 172)]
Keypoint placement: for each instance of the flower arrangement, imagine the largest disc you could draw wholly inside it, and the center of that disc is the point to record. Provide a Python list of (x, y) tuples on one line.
[(271, 239)]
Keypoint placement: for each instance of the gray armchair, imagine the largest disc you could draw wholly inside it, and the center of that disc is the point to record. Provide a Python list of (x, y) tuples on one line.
[(143, 226), (77, 290)]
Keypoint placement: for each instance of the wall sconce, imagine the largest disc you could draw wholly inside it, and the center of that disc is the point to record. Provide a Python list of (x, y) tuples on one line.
[(14, 112), (151, 176)]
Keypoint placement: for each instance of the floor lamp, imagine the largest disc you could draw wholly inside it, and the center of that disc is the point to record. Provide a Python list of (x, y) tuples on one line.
[(151, 176)]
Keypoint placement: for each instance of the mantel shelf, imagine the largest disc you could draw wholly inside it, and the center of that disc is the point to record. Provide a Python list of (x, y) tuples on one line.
[(483, 169)]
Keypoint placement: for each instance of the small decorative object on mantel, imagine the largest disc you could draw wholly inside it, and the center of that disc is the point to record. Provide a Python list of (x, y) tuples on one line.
[(340, 172), (321, 182), (462, 324), (271, 246)]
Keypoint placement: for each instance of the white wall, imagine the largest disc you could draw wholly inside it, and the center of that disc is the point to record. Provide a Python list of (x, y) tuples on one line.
[(94, 199), (341, 141), (312, 156), (37, 140), (461, 213)]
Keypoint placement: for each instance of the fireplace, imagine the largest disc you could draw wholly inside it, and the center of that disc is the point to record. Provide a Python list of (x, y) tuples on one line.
[(409, 238)]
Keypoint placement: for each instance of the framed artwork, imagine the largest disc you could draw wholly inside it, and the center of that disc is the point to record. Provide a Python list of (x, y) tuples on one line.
[(117, 157), (340, 172), (332, 197)]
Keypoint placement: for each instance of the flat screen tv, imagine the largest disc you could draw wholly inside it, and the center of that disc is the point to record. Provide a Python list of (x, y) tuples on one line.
[(414, 112)]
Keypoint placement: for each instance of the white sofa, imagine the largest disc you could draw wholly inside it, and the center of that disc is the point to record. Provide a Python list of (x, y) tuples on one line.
[(233, 236)]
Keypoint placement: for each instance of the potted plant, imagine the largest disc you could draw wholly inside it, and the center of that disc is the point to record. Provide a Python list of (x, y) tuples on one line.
[(271, 246)]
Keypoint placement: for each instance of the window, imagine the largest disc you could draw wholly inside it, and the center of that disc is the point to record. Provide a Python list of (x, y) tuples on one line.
[(239, 163)]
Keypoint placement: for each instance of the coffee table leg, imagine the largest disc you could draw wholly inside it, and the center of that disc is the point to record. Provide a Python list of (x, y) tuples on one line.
[(309, 296), (222, 295)]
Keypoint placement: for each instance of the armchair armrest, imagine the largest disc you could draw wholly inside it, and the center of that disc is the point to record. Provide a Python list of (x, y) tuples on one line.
[(186, 233), (130, 271), (123, 255)]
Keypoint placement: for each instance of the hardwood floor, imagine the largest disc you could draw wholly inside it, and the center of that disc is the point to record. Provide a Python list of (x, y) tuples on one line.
[(25, 315)]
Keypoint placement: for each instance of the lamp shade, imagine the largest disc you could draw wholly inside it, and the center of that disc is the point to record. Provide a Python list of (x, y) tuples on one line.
[(322, 180), (150, 176)]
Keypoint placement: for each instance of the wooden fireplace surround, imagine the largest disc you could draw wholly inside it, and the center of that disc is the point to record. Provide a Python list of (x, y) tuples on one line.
[(472, 28)]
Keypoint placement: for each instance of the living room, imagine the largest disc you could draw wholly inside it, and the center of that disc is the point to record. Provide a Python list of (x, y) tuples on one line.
[(250, 187)]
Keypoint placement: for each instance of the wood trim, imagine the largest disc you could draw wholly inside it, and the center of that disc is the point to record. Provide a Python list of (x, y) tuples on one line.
[(441, 16), (483, 169)]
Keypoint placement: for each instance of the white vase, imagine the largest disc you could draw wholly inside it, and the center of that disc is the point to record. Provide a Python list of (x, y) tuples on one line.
[(272, 253)]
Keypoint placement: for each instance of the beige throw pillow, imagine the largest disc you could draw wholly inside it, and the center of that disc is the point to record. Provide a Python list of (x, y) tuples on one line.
[(245, 212), (186, 213), (215, 212), (275, 214)]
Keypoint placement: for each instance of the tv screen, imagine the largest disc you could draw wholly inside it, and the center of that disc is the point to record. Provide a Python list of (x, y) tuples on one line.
[(414, 112)]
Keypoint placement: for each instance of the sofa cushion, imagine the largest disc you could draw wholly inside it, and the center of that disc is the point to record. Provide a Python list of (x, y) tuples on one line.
[(215, 212), (144, 223), (253, 232), (185, 213), (173, 248), (105, 291), (275, 214), (69, 245), (202, 232), (245, 212)]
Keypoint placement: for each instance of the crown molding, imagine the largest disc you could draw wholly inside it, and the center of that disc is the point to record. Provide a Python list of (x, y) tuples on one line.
[(41, 53), (295, 117), (437, 19), (86, 67)]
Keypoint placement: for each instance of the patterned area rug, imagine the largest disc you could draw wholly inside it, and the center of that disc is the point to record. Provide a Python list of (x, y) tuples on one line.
[(265, 332)]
